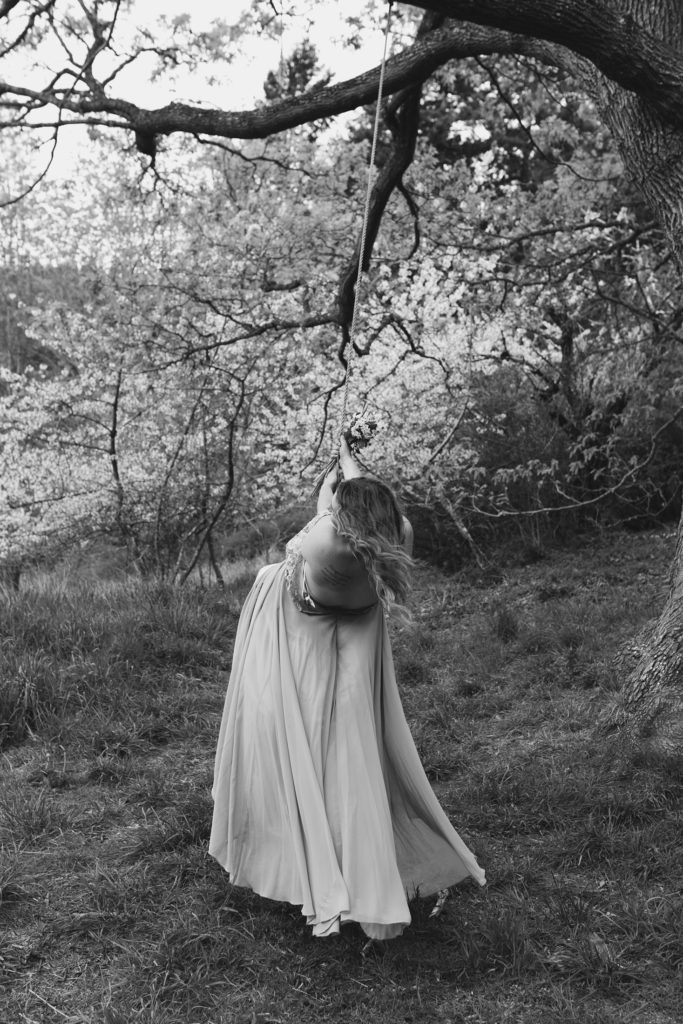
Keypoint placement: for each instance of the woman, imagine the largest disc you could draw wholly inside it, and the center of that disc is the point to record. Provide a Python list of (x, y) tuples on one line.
[(320, 798)]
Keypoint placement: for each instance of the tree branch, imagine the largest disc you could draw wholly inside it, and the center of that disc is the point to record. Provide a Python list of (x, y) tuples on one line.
[(403, 118), (600, 31), (408, 68), (6, 6), (404, 122), (559, 32)]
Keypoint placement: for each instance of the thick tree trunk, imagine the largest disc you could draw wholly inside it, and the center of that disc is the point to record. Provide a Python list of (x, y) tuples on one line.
[(652, 695), (652, 152)]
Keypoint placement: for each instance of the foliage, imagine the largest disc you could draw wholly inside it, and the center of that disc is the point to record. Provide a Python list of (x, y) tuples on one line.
[(154, 416), (176, 376), (298, 73)]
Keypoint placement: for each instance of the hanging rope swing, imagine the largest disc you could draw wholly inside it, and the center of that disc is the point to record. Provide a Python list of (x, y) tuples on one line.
[(354, 439)]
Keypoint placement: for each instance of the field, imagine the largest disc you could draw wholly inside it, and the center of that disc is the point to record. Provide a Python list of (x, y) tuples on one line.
[(111, 911)]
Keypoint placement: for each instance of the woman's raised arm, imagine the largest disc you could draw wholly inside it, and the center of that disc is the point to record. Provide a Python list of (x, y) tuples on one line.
[(347, 463), (329, 486)]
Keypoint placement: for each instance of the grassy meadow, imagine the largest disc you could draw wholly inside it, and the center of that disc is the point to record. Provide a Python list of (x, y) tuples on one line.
[(111, 911)]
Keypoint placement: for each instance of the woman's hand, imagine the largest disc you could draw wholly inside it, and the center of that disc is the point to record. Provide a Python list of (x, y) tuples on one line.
[(347, 463)]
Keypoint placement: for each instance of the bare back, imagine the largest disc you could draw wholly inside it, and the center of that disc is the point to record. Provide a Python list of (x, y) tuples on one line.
[(335, 576)]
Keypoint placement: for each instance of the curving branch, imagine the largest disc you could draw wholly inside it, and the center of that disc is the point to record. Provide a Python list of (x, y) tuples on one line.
[(608, 35), (403, 120), (402, 115), (409, 68)]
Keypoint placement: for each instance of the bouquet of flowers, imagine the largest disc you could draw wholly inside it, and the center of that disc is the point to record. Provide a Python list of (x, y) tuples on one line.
[(357, 435), (360, 432)]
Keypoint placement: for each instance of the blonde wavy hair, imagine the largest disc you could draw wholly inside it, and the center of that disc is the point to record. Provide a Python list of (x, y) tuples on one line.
[(367, 515)]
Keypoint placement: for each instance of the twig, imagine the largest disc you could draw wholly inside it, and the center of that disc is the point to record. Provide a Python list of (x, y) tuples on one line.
[(43, 1000)]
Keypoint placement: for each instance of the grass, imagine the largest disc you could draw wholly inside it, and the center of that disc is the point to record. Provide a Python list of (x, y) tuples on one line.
[(111, 911)]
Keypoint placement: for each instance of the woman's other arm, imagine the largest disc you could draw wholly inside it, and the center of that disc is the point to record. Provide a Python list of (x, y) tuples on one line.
[(350, 469), (345, 468), (329, 486), (408, 536)]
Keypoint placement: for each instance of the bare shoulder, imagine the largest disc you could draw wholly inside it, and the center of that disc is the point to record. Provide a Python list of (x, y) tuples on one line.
[(322, 543)]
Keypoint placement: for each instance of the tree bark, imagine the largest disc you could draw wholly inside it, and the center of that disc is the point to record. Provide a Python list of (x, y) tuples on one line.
[(651, 148), (626, 40), (652, 695)]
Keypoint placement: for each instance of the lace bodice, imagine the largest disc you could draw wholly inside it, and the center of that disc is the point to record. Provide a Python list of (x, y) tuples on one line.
[(295, 576)]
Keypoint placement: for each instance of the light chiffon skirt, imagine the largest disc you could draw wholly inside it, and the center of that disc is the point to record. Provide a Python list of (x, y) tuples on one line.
[(320, 798)]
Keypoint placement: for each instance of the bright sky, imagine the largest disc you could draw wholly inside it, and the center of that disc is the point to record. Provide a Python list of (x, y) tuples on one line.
[(242, 80), (238, 83)]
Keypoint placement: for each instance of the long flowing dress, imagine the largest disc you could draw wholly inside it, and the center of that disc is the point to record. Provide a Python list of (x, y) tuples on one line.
[(320, 799)]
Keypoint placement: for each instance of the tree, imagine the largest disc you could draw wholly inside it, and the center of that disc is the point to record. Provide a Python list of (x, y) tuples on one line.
[(627, 54)]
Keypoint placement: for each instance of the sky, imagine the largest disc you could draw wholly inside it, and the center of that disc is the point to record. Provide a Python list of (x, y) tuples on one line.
[(243, 78), (238, 83)]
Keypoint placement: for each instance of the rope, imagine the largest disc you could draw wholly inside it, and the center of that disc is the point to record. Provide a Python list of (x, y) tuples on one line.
[(364, 230), (282, 66)]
